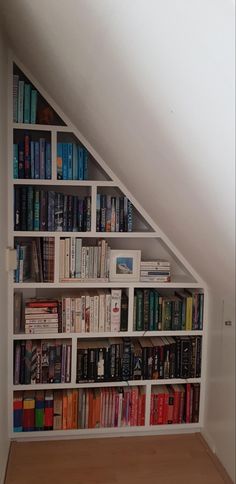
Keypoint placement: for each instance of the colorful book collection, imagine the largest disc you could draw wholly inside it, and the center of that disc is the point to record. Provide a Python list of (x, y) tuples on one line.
[(72, 162), (32, 159), (118, 359), (93, 311), (24, 101), (78, 409), (83, 262), (114, 214), (175, 404), (37, 209), (155, 271), (154, 312), (46, 361), (35, 260)]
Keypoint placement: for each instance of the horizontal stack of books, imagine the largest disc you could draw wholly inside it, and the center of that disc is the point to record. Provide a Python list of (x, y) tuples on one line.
[(35, 260), (175, 404), (72, 162), (114, 214), (41, 316), (78, 409), (24, 102), (155, 271), (181, 311), (32, 159), (83, 262), (46, 361), (37, 209), (95, 311), (116, 359)]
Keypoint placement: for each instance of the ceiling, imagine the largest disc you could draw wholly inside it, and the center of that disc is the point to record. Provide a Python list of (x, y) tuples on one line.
[(150, 84)]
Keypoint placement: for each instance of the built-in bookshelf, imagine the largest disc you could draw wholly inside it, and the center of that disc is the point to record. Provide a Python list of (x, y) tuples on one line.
[(89, 355)]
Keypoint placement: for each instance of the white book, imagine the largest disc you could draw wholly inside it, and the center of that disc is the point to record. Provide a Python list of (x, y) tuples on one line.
[(68, 314), (87, 312), (87, 263), (39, 316), (99, 260), (78, 256), (67, 257), (72, 257), (62, 259), (78, 314), (41, 321), (72, 315), (90, 266), (83, 263), (101, 325), (83, 306), (115, 309), (96, 313), (108, 311), (95, 263), (41, 330)]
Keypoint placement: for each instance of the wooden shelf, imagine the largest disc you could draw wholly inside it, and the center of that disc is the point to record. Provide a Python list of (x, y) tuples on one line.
[(121, 334)]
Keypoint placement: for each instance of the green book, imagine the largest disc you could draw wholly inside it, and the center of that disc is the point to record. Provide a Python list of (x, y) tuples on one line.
[(151, 310), (33, 106), (27, 93), (166, 315), (156, 311), (139, 310), (39, 410)]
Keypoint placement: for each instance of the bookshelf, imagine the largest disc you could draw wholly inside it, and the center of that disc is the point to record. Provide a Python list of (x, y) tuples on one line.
[(145, 236)]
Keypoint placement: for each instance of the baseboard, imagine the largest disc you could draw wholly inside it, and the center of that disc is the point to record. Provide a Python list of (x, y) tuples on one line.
[(211, 450)]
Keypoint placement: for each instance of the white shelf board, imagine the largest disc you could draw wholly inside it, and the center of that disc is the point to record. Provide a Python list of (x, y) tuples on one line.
[(79, 285), (52, 182), (41, 127), (121, 334), (107, 431), (58, 386), (104, 235)]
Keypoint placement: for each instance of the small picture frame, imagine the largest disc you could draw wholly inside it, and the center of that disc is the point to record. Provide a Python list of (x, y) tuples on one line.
[(125, 265)]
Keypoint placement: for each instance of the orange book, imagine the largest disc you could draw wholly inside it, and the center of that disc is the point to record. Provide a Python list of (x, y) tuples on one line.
[(75, 398), (69, 409), (64, 410), (90, 416)]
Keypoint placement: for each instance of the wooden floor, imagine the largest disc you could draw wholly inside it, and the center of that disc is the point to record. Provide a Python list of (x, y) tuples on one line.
[(172, 459)]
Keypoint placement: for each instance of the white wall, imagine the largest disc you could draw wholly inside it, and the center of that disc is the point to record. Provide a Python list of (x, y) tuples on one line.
[(4, 441)]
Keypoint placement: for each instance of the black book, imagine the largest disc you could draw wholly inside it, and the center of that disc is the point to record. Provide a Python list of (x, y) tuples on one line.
[(57, 370), (70, 213), (146, 309), (52, 362), (80, 208), (21, 162), (136, 361), (17, 220), (23, 214), (92, 364), (65, 213), (198, 356), (59, 205), (124, 312), (177, 357), (121, 215), (75, 215), (22, 362), (43, 210), (30, 208), (126, 359), (103, 201), (185, 358)]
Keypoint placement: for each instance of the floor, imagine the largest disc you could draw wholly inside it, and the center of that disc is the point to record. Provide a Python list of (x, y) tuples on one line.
[(183, 459)]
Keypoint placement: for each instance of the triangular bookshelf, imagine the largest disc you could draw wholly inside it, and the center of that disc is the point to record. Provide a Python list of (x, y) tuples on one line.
[(74, 171)]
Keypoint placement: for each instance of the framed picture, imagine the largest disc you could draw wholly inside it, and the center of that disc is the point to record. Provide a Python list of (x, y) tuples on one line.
[(125, 265)]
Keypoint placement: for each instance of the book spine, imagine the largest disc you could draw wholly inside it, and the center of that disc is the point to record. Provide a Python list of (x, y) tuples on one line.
[(75, 162), (85, 164), (30, 208), (15, 98), (27, 156), (48, 164), (59, 161), (36, 160), (21, 101), (42, 158), (80, 163), (33, 108), (27, 95), (70, 161), (65, 161), (36, 210), (15, 161), (32, 160)]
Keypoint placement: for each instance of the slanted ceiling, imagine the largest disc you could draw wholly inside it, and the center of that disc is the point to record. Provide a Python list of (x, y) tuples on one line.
[(150, 84)]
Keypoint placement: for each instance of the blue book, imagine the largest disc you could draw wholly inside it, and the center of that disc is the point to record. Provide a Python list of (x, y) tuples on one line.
[(59, 161), (32, 159), (27, 93), (42, 158), (30, 205), (33, 108), (15, 161), (48, 161), (75, 162), (21, 102), (80, 163), (65, 161), (85, 163), (36, 210), (70, 161), (36, 160)]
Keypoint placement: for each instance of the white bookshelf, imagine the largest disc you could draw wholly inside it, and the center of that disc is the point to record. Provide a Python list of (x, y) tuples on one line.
[(148, 236)]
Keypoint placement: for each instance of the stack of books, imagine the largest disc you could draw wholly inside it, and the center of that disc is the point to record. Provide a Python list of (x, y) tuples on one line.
[(175, 404), (24, 101), (46, 361), (155, 271), (37, 209), (86, 263), (35, 260), (32, 159), (72, 162), (41, 316), (114, 214)]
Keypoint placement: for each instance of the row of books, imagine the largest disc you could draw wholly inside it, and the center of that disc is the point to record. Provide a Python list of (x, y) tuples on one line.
[(155, 271), (46, 361), (121, 359), (83, 262), (35, 260), (72, 162), (37, 209), (114, 214), (32, 159), (78, 409), (175, 404), (24, 101), (153, 312)]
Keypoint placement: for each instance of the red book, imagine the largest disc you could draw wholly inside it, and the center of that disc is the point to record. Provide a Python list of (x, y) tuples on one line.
[(152, 410), (188, 403), (176, 411), (48, 410), (29, 412), (165, 406)]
